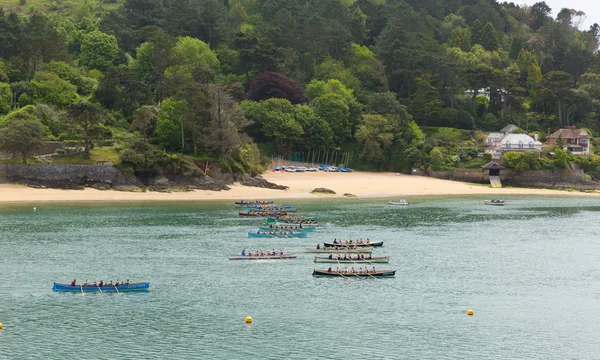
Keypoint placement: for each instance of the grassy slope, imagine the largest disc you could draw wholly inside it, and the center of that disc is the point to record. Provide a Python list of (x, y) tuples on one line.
[(62, 8), (97, 154)]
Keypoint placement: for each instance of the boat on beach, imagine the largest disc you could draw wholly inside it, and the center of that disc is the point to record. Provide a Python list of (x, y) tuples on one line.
[(378, 273), (345, 250), (277, 234), (254, 202), (142, 286), (398, 202), (262, 257), (495, 202), (360, 245), (334, 260)]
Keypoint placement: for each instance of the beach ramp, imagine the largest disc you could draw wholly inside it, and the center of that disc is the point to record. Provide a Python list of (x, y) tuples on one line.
[(495, 182)]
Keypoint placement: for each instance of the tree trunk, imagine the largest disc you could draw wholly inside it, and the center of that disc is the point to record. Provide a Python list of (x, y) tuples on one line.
[(24, 153), (474, 99), (560, 112), (86, 142)]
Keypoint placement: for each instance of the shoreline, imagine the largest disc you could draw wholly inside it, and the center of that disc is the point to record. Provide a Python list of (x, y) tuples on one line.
[(360, 184)]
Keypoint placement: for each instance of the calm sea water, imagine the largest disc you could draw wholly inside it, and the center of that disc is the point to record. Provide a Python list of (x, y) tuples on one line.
[(529, 270)]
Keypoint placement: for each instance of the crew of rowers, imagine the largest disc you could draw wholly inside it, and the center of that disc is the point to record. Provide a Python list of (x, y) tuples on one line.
[(352, 270), (270, 207), (351, 242), (261, 253), (337, 247), (286, 227), (275, 232), (358, 257), (255, 202), (100, 283)]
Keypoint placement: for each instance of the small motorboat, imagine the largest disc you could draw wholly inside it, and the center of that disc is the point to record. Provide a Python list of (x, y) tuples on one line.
[(399, 202), (494, 202)]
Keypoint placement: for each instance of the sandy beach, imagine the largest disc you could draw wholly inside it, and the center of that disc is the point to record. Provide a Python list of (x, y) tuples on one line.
[(361, 184)]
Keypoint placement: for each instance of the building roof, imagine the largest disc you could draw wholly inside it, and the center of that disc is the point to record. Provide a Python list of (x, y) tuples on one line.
[(493, 165), (508, 129), (516, 138), (570, 133), (495, 135)]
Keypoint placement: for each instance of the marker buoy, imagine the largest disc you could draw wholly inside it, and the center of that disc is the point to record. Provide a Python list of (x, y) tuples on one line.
[(248, 320), (470, 312), (0, 326)]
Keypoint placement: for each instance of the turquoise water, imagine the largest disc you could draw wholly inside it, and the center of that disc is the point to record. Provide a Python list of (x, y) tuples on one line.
[(529, 270)]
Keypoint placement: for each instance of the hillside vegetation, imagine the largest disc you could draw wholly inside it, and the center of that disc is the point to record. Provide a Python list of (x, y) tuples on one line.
[(394, 83)]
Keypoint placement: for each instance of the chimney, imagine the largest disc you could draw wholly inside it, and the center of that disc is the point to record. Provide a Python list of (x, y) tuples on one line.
[(535, 137)]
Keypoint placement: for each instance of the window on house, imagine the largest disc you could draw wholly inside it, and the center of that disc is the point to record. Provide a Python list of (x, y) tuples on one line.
[(583, 141), (520, 144), (531, 145), (508, 144)]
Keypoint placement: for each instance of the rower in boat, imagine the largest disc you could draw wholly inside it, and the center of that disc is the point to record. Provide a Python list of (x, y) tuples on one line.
[(329, 270), (73, 282)]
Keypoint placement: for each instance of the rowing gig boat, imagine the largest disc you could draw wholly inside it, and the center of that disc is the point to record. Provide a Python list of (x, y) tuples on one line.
[(254, 202), (288, 227), (269, 207), (371, 244), (278, 234), (262, 257), (143, 286), (260, 214), (366, 250), (291, 219), (378, 273), (373, 260)]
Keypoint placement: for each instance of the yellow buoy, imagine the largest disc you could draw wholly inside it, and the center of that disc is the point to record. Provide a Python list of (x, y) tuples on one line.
[(0, 326), (470, 312), (248, 320)]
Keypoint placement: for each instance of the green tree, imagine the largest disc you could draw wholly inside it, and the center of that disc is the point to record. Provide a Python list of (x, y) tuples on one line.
[(22, 135), (335, 111), (375, 136), (489, 38), (144, 119), (436, 157), (195, 58), (560, 83), (84, 118), (98, 51), (6, 98), (170, 129), (51, 89), (425, 102), (317, 133)]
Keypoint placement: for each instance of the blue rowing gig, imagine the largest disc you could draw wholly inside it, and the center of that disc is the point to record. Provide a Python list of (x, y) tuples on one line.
[(277, 234), (143, 286), (288, 227)]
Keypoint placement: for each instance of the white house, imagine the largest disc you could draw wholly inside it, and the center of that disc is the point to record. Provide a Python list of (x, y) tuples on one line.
[(513, 142)]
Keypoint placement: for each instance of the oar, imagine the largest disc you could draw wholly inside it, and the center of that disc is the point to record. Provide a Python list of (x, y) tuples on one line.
[(367, 269), (81, 287), (116, 289), (98, 286)]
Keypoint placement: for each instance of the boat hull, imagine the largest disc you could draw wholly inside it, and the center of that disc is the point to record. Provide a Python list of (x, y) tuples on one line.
[(260, 214), (300, 220), (286, 228), (371, 244), (252, 203), (398, 203), (282, 235), (375, 260), (264, 257), (366, 250), (486, 202), (379, 273), (121, 288), (287, 208)]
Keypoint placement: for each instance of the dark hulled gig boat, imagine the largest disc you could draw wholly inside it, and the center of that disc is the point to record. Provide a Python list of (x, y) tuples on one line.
[(348, 260), (254, 202), (378, 273), (277, 256), (361, 245), (143, 286), (261, 214)]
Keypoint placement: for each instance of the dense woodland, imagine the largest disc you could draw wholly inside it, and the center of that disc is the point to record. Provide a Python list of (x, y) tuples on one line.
[(229, 80)]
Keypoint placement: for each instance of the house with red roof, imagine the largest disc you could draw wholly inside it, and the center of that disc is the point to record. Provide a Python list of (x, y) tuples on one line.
[(576, 141)]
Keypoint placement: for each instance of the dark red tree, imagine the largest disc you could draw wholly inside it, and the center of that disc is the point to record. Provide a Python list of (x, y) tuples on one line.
[(274, 85)]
